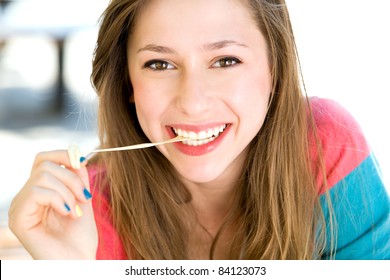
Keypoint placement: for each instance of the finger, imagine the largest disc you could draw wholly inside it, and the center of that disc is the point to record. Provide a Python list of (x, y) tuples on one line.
[(69, 184), (26, 209), (48, 180), (59, 157), (83, 175), (44, 197)]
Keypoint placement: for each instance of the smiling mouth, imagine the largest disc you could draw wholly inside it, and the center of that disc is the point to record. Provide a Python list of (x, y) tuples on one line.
[(201, 137)]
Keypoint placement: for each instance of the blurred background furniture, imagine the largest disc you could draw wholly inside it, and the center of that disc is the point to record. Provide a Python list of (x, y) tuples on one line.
[(55, 19)]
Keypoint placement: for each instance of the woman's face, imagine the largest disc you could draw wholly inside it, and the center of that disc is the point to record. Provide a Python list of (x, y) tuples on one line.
[(200, 69)]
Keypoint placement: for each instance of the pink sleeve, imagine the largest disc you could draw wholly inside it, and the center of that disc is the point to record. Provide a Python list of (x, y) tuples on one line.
[(109, 244), (343, 143)]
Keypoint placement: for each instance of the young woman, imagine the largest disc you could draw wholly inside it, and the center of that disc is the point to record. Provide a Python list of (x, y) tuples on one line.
[(266, 173)]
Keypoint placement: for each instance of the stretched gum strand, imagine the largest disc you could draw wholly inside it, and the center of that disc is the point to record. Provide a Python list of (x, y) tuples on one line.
[(135, 147), (75, 154), (140, 146)]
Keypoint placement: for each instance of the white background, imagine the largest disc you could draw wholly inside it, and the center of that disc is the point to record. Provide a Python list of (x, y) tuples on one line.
[(344, 48)]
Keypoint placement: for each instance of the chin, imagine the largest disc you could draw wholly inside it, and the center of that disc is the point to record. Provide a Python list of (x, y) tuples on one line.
[(200, 175)]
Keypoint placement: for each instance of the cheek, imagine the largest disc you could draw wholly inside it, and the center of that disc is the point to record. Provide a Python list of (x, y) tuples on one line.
[(148, 99), (145, 104), (251, 96), (151, 102)]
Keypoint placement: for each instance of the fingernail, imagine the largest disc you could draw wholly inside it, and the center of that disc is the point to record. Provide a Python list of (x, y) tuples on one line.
[(82, 159), (87, 194), (67, 207), (79, 212)]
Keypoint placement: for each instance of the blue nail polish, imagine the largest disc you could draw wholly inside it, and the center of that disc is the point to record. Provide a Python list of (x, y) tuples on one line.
[(82, 159), (87, 194), (67, 207)]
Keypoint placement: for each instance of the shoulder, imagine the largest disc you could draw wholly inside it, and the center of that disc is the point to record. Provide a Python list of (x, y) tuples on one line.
[(331, 117), (344, 146), (360, 203)]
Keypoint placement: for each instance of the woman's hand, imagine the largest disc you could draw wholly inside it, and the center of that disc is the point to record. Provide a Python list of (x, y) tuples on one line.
[(43, 214)]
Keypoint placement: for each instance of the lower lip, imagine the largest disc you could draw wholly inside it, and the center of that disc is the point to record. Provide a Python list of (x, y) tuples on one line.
[(202, 149)]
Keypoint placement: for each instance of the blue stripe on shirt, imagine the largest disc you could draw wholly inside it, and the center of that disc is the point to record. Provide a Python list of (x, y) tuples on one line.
[(361, 207)]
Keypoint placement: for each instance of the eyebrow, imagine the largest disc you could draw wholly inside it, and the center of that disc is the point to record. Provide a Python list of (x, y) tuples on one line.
[(209, 46), (156, 48), (223, 44)]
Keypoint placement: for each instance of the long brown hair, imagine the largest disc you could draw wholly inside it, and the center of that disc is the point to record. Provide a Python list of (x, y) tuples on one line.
[(278, 214)]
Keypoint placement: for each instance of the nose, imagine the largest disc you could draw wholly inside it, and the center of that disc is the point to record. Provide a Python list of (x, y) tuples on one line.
[(194, 96)]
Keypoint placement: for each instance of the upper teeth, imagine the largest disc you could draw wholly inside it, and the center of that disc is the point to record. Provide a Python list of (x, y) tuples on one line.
[(202, 135)]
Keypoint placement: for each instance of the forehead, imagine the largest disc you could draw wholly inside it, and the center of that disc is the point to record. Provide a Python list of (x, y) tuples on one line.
[(193, 20)]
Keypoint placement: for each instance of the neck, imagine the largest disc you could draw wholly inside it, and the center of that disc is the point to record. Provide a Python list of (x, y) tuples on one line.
[(212, 201), (212, 207)]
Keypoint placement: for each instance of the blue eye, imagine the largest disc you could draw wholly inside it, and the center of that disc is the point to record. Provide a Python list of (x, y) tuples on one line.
[(158, 65), (226, 62)]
